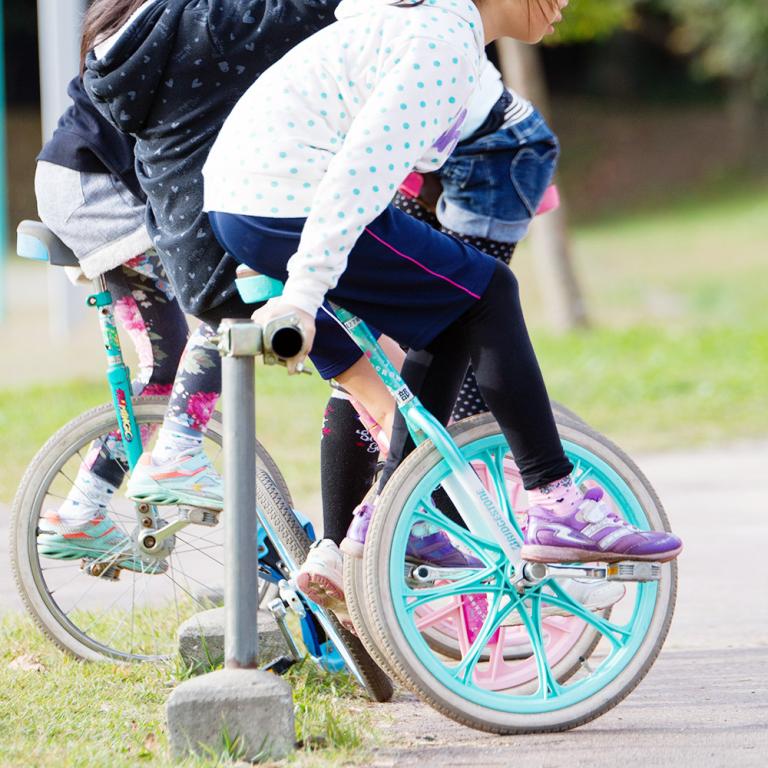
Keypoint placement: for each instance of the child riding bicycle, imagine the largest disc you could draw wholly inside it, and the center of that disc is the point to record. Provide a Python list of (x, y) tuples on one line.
[(303, 194)]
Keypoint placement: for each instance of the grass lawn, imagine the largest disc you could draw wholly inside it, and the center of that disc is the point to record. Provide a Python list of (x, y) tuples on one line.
[(56, 711), (677, 356)]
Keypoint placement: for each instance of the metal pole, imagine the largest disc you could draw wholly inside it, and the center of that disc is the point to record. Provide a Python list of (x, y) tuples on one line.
[(245, 702), (240, 555), (58, 31)]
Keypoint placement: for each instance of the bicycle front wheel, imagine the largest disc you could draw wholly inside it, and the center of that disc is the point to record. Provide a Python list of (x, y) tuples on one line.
[(557, 685)]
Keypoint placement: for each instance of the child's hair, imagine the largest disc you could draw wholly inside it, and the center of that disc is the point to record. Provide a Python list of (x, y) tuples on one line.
[(102, 19)]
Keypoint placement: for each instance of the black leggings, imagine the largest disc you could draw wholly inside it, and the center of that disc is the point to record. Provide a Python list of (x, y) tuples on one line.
[(492, 336)]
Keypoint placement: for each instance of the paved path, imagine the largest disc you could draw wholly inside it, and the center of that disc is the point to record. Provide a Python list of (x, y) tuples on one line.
[(691, 710)]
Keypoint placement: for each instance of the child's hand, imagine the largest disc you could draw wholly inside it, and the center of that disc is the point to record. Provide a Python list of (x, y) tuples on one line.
[(275, 309)]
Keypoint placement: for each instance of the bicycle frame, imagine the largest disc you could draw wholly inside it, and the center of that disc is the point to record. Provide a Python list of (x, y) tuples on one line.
[(118, 374), (480, 512)]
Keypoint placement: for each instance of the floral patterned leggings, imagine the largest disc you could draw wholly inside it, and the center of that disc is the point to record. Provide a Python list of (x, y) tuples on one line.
[(171, 362)]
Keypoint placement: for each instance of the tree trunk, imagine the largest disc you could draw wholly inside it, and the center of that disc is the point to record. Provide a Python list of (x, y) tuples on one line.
[(521, 68)]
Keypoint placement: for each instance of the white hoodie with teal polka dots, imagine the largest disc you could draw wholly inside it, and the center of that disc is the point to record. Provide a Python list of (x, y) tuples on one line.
[(331, 130)]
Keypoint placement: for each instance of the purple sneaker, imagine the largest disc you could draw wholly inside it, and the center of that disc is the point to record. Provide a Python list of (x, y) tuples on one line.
[(593, 533), (354, 541), (437, 549)]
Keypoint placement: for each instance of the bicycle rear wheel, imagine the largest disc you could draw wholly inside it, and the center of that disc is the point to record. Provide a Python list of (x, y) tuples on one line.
[(296, 542), (555, 687), (135, 617)]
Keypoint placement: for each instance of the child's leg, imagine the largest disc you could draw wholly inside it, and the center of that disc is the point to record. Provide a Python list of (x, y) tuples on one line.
[(195, 392), (178, 470), (563, 524), (348, 451), (348, 458), (469, 401)]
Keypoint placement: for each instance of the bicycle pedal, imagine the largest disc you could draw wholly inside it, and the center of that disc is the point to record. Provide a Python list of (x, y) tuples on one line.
[(200, 515), (290, 596), (105, 571), (633, 570), (280, 665)]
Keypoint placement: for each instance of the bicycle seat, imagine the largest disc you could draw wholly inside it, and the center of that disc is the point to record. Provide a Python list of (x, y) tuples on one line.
[(35, 241), (254, 287)]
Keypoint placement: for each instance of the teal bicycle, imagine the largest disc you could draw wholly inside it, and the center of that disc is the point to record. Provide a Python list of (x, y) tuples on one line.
[(126, 604), (534, 657)]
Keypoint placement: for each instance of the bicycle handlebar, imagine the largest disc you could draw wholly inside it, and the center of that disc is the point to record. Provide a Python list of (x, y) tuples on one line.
[(284, 337)]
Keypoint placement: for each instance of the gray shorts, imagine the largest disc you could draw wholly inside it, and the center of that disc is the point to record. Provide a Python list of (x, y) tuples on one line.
[(94, 214)]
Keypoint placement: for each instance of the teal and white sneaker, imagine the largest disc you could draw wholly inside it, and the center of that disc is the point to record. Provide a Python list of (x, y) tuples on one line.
[(96, 538), (189, 479)]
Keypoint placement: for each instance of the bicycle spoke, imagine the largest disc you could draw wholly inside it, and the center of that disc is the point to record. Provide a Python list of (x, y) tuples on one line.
[(83, 596), (548, 685), (133, 609), (189, 578), (202, 537), (171, 566), (105, 611), (491, 623), (189, 594), (435, 616), (496, 472), (581, 473), (618, 636), (201, 550)]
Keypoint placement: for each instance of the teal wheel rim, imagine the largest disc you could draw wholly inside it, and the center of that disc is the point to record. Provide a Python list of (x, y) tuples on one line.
[(621, 641)]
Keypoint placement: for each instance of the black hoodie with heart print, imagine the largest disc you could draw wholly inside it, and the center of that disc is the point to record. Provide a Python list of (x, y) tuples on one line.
[(170, 80)]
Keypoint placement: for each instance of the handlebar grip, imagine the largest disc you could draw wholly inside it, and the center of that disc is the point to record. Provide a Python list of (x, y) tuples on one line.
[(283, 339)]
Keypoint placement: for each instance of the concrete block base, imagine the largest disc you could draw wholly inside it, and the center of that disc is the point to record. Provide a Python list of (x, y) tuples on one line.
[(245, 714), (201, 639)]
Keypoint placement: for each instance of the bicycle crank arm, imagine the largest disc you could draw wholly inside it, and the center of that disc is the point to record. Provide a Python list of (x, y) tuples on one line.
[(426, 574), (279, 612), (153, 541)]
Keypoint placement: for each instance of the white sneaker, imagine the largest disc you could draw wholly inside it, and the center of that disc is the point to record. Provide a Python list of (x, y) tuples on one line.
[(593, 595), (321, 578)]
